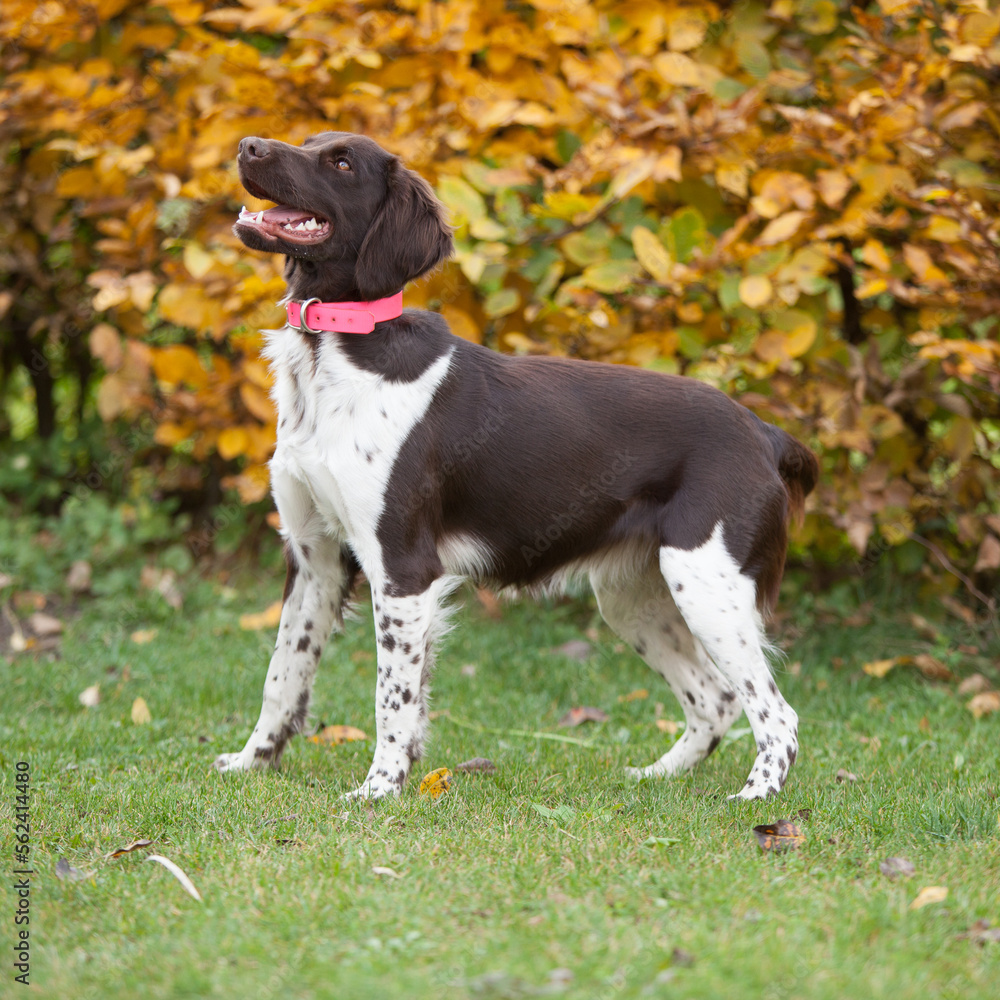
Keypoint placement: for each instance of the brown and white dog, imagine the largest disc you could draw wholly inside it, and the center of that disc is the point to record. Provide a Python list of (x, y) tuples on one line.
[(424, 459)]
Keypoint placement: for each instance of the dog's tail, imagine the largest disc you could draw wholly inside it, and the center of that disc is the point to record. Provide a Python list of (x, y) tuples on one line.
[(797, 466)]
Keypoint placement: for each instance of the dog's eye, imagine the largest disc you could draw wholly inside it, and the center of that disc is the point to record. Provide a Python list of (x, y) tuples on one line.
[(342, 163)]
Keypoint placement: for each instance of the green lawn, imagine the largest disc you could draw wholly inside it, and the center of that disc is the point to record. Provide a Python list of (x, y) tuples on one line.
[(610, 890)]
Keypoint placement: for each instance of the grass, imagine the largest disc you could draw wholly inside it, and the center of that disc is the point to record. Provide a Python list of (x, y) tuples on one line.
[(609, 890)]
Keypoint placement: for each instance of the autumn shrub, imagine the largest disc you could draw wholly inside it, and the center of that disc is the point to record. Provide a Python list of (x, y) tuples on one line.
[(795, 201)]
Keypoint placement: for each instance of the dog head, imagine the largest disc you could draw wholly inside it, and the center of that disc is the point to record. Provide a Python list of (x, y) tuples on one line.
[(351, 220)]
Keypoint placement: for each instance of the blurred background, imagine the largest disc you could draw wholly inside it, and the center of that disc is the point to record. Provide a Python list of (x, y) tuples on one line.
[(795, 201)]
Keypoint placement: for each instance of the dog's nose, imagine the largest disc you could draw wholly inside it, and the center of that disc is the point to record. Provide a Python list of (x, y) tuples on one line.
[(254, 148)]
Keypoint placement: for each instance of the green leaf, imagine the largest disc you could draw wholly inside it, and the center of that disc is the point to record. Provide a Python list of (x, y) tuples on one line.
[(685, 232), (753, 57), (612, 276), (465, 203), (560, 814), (502, 302), (567, 144)]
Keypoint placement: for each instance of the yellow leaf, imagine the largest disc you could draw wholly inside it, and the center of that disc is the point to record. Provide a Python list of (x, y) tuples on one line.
[(984, 703), (179, 363), (879, 668), (678, 69), (143, 635), (257, 401), (873, 253), (112, 397), (462, 324), (77, 182), (668, 166), (651, 253), (140, 712), (264, 619), (980, 28), (781, 228), (197, 260), (629, 176), (871, 287), (436, 782), (686, 29), (232, 442), (755, 290), (928, 895), (833, 185), (943, 229), (335, 735), (733, 178), (169, 433), (918, 260)]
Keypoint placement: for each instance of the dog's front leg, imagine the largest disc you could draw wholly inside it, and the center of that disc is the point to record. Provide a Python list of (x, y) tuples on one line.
[(405, 627), (320, 578)]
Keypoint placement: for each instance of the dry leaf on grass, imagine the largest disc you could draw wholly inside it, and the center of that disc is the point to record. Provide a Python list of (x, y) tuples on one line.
[(66, 871), (141, 714), (893, 868), (575, 649), (636, 695), (268, 618), (335, 735), (90, 697), (981, 932), (783, 835), (879, 668), (974, 684), (382, 870), (435, 783), (44, 625), (143, 635), (477, 765), (577, 716), (668, 726), (928, 895), (984, 703), (79, 576), (136, 845), (845, 775), (177, 873), (932, 668)]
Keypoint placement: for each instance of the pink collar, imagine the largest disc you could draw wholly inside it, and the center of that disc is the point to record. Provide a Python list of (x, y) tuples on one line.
[(313, 316)]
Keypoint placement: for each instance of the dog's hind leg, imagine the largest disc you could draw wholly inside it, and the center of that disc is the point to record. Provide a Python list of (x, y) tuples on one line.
[(643, 613), (719, 604), (320, 578)]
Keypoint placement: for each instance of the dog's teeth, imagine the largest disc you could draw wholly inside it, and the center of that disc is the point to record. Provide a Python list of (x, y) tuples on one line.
[(259, 217)]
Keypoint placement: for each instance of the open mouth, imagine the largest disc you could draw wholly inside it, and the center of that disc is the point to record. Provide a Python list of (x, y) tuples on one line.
[(290, 224)]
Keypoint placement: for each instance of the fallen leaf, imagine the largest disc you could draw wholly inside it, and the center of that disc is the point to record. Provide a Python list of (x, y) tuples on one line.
[(893, 868), (974, 684), (783, 835), (924, 628), (178, 874), (984, 703), (143, 635), (577, 716), (435, 783), (5, 580), (844, 775), (560, 814), (575, 649), (91, 697), (660, 841), (468, 670), (382, 870), (636, 695), (879, 668), (932, 668), (335, 735), (66, 871), (268, 618), (981, 932), (476, 765), (928, 895), (44, 625), (79, 576), (668, 726), (490, 603), (989, 554), (129, 848), (141, 714)]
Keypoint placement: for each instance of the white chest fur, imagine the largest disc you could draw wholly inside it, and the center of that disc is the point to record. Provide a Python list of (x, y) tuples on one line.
[(340, 430)]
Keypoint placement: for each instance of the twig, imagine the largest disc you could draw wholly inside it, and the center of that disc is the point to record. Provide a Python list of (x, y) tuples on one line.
[(946, 563)]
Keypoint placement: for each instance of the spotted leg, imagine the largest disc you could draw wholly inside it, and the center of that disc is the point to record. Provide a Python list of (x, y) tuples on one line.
[(718, 603), (643, 613), (406, 628), (320, 579)]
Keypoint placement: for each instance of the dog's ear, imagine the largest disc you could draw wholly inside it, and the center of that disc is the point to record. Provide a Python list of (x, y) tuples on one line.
[(408, 236)]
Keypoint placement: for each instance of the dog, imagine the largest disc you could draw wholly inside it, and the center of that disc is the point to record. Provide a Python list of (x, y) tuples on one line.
[(424, 459)]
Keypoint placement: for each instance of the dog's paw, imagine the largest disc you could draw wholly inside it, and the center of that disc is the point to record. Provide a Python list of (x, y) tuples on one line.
[(635, 773), (374, 787), (227, 763)]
